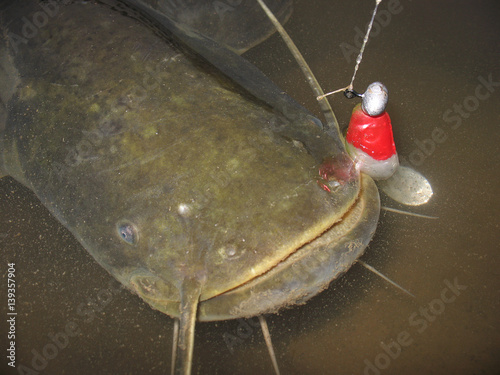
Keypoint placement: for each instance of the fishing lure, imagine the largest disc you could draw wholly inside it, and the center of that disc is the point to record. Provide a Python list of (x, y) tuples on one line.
[(369, 138)]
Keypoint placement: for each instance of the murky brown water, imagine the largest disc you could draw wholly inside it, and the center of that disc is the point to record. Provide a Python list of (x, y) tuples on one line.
[(434, 57)]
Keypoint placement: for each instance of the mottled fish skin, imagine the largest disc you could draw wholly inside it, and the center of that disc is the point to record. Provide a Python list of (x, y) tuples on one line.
[(165, 170)]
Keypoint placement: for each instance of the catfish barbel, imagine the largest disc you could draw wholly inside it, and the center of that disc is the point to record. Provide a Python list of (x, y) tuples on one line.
[(181, 168)]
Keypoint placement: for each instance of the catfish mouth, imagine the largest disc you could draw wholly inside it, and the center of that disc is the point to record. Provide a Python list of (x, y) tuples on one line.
[(300, 276)]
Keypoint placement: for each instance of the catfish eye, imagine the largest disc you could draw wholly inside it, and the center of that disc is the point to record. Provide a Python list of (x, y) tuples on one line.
[(128, 233)]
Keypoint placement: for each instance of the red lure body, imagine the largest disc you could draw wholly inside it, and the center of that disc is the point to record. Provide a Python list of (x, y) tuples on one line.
[(372, 135)]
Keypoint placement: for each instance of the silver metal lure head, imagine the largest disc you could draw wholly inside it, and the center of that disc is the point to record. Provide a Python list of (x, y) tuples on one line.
[(375, 99)]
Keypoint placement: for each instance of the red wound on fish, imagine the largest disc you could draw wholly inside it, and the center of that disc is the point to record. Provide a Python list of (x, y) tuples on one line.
[(338, 168)]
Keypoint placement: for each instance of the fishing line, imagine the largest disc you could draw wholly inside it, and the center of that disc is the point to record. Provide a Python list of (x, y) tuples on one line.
[(348, 90)]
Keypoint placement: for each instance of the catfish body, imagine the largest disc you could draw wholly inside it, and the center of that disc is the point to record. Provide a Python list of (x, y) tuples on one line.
[(188, 186)]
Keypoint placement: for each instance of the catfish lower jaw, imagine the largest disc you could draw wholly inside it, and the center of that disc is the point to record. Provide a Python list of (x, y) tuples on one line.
[(302, 275)]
